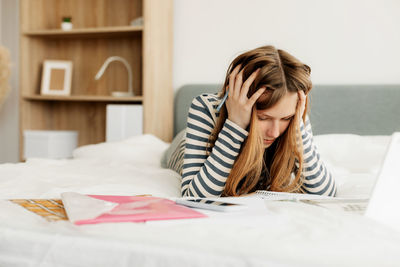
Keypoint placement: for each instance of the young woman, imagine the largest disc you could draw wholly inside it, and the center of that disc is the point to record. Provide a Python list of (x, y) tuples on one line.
[(255, 134)]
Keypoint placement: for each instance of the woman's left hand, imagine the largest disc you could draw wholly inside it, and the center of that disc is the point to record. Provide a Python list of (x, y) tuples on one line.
[(302, 102)]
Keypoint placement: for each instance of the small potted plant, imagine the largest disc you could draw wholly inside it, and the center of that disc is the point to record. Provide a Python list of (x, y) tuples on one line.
[(66, 23)]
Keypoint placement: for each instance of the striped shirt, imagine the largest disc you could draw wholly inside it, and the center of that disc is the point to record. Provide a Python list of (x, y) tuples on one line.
[(205, 175)]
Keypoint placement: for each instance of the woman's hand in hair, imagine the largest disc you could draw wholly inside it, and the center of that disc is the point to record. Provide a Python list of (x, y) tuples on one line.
[(238, 105), (302, 103)]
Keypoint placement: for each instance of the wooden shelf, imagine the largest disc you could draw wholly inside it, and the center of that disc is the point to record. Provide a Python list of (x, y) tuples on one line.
[(83, 98), (87, 32), (101, 30)]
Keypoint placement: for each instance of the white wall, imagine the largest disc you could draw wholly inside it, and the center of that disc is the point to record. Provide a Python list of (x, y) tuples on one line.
[(9, 32), (343, 41)]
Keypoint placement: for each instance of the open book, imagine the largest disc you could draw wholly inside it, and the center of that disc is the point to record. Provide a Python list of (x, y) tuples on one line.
[(270, 195), (355, 205)]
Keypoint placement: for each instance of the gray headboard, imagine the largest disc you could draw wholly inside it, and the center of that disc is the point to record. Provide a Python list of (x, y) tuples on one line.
[(356, 109)]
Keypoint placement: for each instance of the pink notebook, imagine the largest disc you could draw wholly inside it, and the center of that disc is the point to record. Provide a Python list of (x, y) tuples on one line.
[(91, 209)]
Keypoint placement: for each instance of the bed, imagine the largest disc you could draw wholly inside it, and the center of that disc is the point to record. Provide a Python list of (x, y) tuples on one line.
[(352, 126)]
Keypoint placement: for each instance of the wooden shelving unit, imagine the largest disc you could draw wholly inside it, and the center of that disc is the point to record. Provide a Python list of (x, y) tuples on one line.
[(100, 30)]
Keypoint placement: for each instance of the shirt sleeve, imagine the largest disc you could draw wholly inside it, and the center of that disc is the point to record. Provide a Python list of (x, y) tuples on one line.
[(317, 178), (205, 175)]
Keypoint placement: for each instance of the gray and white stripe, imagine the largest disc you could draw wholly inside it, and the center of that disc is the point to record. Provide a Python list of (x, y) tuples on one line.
[(317, 178)]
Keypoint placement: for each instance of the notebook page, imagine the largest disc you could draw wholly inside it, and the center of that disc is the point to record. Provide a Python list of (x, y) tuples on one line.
[(270, 195)]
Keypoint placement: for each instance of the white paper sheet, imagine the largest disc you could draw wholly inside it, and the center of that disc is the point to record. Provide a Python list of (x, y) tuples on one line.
[(82, 207)]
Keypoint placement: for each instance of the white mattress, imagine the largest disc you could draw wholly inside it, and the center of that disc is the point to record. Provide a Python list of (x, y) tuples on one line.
[(272, 233)]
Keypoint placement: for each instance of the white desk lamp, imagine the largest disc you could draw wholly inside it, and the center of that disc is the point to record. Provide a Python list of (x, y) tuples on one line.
[(129, 69)]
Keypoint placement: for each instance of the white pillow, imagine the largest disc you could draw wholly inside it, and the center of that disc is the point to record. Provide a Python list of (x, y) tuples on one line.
[(172, 148), (353, 160), (355, 153), (143, 149)]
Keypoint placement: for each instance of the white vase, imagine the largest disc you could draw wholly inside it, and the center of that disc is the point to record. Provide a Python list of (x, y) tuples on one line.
[(66, 26)]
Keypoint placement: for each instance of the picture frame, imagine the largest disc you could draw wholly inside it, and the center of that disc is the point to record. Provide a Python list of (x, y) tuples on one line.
[(56, 77)]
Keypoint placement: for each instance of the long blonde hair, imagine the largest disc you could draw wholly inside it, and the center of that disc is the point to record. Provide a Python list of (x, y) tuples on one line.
[(279, 72)]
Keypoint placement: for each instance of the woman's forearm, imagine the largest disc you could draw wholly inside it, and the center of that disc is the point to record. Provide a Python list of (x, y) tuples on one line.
[(317, 178), (205, 175)]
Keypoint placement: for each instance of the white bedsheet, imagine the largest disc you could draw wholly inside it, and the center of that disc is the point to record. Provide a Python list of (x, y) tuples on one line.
[(122, 168), (276, 234)]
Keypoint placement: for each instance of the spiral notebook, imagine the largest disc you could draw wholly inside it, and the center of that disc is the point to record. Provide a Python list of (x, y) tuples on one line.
[(355, 205), (270, 195)]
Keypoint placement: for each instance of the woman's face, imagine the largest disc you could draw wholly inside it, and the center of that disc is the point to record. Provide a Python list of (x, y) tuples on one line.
[(275, 120)]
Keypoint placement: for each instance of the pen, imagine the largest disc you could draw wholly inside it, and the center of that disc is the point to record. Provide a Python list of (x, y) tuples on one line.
[(223, 100)]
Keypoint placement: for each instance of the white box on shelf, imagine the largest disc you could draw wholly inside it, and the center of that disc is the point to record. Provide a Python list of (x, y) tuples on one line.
[(49, 144), (123, 121)]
